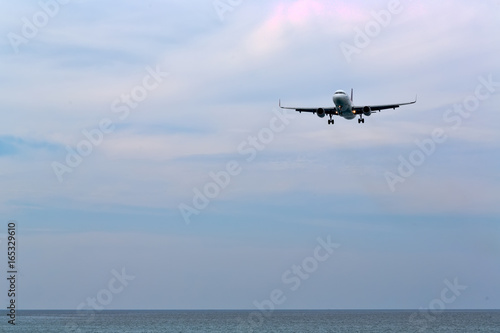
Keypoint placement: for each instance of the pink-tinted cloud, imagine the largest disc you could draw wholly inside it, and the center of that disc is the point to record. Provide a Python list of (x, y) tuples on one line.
[(300, 15), (302, 11)]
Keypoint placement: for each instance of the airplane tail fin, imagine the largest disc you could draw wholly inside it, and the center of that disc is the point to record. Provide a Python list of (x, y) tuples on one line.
[(352, 94)]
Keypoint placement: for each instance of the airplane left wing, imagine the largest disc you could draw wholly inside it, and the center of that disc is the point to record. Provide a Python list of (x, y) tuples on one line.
[(359, 109)]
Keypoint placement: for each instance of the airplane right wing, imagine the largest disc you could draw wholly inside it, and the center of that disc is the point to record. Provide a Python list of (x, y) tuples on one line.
[(325, 110)]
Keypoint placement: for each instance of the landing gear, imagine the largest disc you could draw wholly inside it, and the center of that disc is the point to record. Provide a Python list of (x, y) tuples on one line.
[(361, 120), (331, 121)]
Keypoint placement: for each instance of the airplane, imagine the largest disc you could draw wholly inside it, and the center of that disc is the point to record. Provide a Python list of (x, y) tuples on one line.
[(344, 108)]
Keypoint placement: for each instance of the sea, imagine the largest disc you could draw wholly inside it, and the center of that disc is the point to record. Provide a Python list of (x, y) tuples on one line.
[(378, 321)]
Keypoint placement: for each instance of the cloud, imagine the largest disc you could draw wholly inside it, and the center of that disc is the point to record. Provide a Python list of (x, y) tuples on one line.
[(225, 80)]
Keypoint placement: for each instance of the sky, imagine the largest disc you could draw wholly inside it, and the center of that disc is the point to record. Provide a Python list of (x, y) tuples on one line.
[(147, 164)]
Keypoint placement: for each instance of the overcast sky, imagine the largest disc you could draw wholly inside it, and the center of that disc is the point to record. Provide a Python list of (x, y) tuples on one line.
[(143, 139)]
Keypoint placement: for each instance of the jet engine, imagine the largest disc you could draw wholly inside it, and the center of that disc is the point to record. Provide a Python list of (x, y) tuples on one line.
[(321, 113), (367, 111)]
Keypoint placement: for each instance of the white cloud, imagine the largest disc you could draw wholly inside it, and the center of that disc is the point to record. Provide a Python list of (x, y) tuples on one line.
[(225, 79)]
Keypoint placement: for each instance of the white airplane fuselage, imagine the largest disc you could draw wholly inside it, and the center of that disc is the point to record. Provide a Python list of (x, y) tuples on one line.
[(343, 104)]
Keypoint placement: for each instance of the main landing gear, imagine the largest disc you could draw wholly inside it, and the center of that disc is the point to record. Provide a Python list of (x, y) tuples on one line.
[(331, 121), (361, 120)]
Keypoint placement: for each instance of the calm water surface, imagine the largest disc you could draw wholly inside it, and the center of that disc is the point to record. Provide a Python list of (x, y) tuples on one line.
[(254, 321)]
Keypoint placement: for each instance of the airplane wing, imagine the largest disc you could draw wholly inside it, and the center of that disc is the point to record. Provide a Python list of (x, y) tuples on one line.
[(374, 108), (326, 110)]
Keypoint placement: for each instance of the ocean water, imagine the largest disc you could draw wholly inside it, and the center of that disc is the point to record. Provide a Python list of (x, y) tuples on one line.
[(254, 321)]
